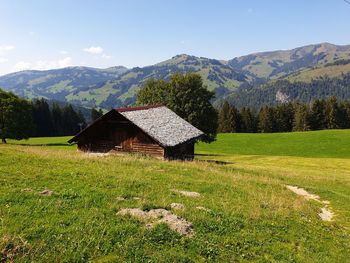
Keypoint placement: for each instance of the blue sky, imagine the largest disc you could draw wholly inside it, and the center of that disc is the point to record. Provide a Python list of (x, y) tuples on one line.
[(43, 34)]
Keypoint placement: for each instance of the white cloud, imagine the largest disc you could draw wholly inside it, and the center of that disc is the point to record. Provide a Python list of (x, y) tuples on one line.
[(6, 48), (63, 52), (105, 56), (94, 50), (22, 65), (43, 64), (66, 62), (3, 60), (32, 33)]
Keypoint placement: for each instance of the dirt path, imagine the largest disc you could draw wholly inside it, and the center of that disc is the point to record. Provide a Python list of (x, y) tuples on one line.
[(326, 213)]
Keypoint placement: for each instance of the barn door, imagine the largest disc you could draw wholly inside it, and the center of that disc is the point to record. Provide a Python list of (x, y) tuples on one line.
[(120, 138)]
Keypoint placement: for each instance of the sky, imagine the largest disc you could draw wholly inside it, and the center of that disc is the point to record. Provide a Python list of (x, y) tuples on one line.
[(45, 34)]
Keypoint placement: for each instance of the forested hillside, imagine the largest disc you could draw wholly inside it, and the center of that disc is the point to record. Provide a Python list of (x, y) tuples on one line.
[(282, 91)]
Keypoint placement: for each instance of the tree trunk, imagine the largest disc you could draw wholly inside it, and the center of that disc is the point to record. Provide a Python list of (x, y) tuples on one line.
[(3, 140)]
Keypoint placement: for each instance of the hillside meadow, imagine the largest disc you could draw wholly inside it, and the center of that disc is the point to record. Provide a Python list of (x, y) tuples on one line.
[(249, 214)]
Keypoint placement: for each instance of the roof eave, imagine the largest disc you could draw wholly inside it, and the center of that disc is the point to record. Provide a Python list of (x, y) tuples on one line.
[(187, 141)]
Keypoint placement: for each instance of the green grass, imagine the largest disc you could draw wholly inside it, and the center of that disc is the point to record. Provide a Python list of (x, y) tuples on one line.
[(328, 143), (53, 142), (307, 75), (253, 217)]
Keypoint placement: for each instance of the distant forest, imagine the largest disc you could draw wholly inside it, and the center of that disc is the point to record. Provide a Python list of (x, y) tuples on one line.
[(286, 117), (281, 91), (55, 120)]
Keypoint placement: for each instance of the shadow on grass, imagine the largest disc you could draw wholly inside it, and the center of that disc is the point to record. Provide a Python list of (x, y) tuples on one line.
[(42, 144), (211, 160), (214, 161), (208, 154)]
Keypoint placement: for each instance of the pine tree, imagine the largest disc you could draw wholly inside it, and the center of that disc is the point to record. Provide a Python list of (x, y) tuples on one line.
[(71, 121), (266, 119), (301, 118), (95, 114), (318, 115), (57, 120), (344, 106), (248, 120), (284, 116), (224, 120), (235, 119), (333, 114), (42, 118)]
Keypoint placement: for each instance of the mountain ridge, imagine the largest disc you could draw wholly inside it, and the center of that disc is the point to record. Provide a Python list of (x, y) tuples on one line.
[(117, 86)]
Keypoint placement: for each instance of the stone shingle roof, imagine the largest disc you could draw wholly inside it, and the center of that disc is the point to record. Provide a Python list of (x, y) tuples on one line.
[(161, 124)]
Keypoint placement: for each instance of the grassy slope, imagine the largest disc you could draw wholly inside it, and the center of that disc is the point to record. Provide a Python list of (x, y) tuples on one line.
[(253, 218), (307, 75), (333, 143)]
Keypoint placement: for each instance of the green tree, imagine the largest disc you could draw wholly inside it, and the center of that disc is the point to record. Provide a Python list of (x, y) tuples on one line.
[(345, 114), (42, 118), (248, 120), (318, 115), (266, 120), (229, 118), (16, 121), (224, 118), (301, 118), (57, 120), (72, 122), (154, 92), (95, 114), (333, 113), (186, 95), (284, 116)]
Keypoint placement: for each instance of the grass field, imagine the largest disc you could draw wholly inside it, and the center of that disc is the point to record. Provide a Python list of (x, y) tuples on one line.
[(252, 217), (328, 143)]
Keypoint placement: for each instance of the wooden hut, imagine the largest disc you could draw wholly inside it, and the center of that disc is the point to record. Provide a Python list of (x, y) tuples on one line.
[(153, 130)]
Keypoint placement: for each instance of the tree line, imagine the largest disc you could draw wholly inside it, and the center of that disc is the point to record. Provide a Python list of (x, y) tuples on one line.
[(55, 120), (21, 119), (293, 116)]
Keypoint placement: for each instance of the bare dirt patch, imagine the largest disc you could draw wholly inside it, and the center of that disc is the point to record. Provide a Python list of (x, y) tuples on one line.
[(157, 216), (11, 248), (326, 213), (122, 198), (92, 154), (203, 208), (46, 192), (177, 206), (303, 192), (27, 190), (187, 193)]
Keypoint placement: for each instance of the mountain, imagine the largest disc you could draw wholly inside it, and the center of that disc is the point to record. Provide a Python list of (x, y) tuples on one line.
[(265, 66), (56, 84), (217, 76), (117, 86)]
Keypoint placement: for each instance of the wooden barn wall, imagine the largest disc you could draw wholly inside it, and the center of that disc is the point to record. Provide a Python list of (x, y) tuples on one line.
[(115, 133), (182, 151)]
